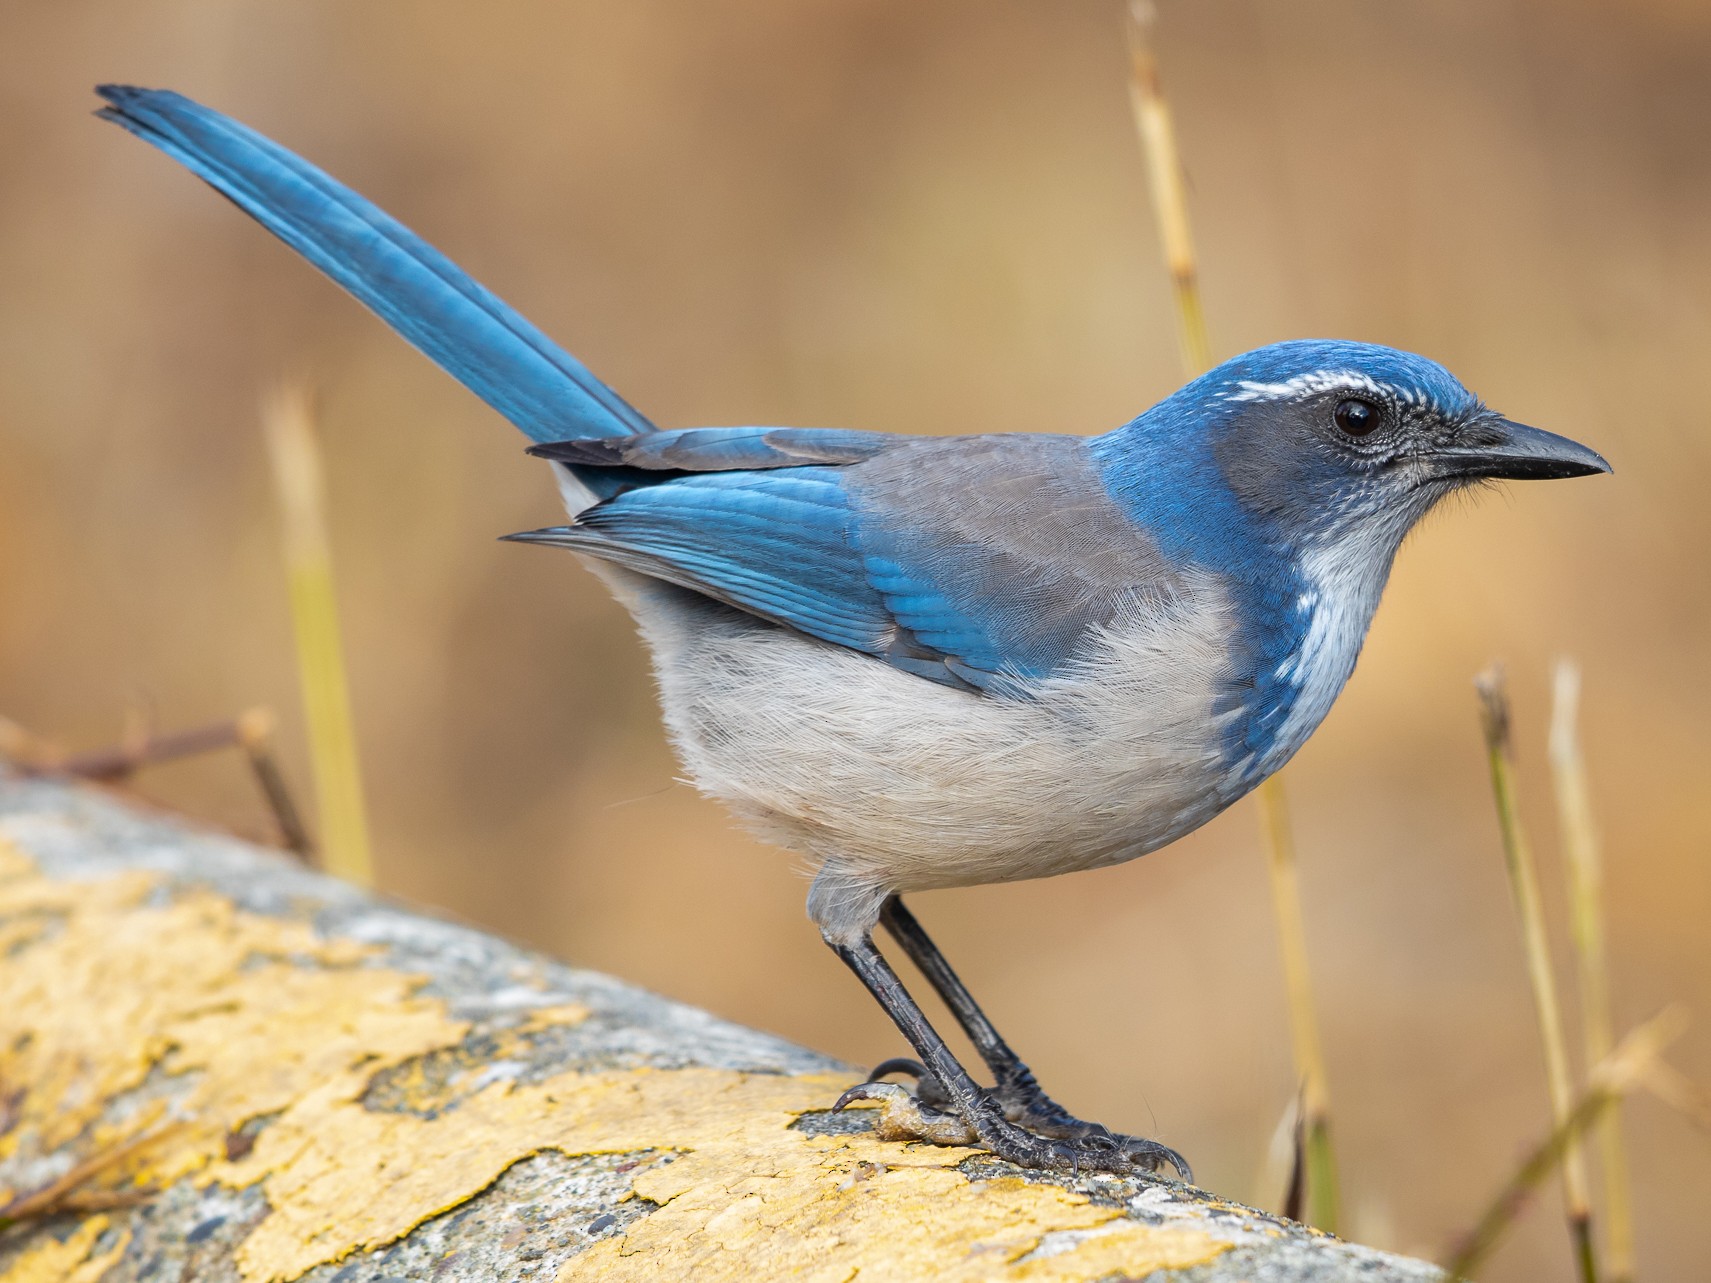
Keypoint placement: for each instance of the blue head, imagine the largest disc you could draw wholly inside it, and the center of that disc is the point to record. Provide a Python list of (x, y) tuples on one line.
[(1293, 474), (1303, 445)]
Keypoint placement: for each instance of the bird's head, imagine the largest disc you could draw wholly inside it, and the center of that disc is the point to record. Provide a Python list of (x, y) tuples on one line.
[(1309, 442)]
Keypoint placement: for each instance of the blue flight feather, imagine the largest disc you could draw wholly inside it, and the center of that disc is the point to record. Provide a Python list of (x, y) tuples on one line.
[(718, 449), (776, 543), (480, 340)]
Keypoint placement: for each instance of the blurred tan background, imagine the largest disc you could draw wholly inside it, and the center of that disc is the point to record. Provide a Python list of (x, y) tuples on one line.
[(922, 218)]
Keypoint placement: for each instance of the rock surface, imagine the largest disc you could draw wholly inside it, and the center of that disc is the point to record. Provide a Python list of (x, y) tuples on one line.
[(264, 1075)]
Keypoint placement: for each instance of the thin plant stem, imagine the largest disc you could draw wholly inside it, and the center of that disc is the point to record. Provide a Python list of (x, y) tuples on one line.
[(1626, 1067), (255, 736), (1319, 1160), (288, 421), (59, 1195), (1524, 883), (141, 748), (1284, 1166), (1164, 180), (1579, 839), (135, 751), (1170, 214)]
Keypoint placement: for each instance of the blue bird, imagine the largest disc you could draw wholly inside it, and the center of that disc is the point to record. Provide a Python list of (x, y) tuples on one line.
[(944, 661)]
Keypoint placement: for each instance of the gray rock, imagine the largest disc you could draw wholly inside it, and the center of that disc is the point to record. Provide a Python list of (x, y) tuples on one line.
[(320, 1084)]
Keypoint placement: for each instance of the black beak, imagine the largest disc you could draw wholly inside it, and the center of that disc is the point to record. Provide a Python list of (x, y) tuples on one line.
[(1514, 452)]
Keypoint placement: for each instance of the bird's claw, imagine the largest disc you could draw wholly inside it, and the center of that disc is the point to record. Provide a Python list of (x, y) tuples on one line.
[(1035, 1112), (1096, 1149), (1026, 1128), (1026, 1105), (905, 1117), (1126, 1153), (928, 1090)]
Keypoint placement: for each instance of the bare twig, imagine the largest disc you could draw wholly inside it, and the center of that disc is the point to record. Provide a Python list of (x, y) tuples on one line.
[(255, 734), (1579, 839), (66, 1194), (139, 748), (1524, 883), (124, 759)]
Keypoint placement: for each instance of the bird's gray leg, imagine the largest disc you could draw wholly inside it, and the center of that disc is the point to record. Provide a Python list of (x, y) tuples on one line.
[(1016, 1089), (982, 1118), (1017, 1092)]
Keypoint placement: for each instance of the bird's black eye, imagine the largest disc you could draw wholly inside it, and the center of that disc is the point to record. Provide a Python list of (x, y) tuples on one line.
[(1356, 417)]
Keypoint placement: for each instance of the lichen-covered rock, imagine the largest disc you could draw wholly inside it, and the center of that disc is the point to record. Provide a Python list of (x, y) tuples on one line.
[(262, 1075)]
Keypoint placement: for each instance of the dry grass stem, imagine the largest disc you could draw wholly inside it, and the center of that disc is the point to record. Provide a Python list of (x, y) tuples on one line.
[(1317, 1156), (1284, 1167), (1628, 1066), (289, 423), (1164, 180), (1170, 214), (1524, 883), (67, 1195), (139, 748), (1579, 839)]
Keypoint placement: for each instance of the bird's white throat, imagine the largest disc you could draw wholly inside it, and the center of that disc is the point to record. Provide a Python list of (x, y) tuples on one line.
[(1344, 580)]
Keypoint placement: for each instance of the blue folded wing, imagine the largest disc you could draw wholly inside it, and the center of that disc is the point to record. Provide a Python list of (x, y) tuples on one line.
[(979, 562), (758, 518), (778, 544), (476, 337)]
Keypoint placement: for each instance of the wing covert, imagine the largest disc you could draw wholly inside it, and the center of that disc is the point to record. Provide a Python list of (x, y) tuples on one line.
[(976, 562)]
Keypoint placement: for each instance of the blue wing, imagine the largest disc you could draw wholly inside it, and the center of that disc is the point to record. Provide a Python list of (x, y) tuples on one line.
[(758, 518), (475, 336), (778, 544), (970, 561)]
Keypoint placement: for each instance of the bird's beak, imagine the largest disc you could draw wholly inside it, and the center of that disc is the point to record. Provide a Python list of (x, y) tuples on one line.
[(1512, 451)]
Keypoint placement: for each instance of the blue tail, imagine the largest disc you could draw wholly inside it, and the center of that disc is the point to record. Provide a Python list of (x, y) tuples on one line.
[(418, 291)]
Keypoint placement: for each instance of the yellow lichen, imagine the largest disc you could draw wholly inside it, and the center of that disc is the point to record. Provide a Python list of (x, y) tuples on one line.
[(1128, 1248), (752, 1198), (569, 1013), (13, 862), (259, 1018), (70, 1261), (243, 1006)]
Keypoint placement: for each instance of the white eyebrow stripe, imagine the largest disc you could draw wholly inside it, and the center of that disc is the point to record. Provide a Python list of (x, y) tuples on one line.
[(1311, 384)]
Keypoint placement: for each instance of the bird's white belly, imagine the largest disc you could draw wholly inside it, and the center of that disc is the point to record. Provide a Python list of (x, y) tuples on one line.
[(898, 783)]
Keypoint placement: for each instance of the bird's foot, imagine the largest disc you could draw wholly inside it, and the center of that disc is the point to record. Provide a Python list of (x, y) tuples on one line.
[(903, 1116), (1021, 1125), (1134, 1152), (1018, 1094)]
